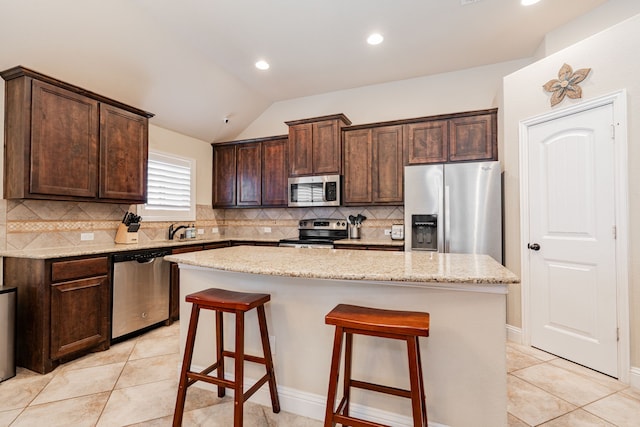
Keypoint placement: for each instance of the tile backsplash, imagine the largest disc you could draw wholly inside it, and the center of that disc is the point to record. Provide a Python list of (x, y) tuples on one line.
[(34, 224)]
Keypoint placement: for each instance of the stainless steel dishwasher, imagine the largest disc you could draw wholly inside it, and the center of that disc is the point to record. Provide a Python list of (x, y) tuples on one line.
[(140, 291)]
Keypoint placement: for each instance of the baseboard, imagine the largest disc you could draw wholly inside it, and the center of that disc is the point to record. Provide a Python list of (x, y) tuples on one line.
[(514, 334), (313, 405), (634, 378)]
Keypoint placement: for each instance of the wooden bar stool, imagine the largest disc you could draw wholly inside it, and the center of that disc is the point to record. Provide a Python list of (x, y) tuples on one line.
[(237, 303), (400, 325)]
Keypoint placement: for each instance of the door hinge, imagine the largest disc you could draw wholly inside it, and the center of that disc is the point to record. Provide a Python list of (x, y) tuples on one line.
[(613, 131), (617, 334), (614, 232)]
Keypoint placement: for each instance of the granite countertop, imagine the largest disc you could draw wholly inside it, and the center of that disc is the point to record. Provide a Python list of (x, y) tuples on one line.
[(97, 249), (344, 264)]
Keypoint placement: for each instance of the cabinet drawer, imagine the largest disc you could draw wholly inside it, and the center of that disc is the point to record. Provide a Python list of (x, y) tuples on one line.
[(186, 249), (79, 268)]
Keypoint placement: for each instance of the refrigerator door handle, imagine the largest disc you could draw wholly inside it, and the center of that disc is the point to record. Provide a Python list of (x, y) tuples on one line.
[(440, 224), (447, 226)]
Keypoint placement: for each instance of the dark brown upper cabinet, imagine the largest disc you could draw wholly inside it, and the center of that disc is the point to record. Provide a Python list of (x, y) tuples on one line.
[(373, 166), (274, 172), (250, 173), (63, 142), (427, 142), (124, 151), (473, 138), (315, 145), (470, 136), (224, 175)]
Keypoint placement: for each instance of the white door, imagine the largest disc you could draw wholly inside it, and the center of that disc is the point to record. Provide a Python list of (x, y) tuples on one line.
[(572, 253)]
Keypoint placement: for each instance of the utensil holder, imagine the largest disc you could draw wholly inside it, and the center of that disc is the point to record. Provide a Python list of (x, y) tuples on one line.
[(125, 236), (354, 231)]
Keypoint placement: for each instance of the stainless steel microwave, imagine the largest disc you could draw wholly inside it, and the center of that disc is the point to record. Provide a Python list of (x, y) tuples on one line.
[(319, 190)]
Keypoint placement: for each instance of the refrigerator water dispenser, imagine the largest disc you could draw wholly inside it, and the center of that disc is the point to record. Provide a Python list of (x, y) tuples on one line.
[(424, 232)]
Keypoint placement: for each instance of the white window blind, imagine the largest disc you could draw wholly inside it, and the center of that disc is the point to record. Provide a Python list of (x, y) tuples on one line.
[(170, 188)]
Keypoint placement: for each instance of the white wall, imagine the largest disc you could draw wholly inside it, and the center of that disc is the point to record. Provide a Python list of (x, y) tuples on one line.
[(171, 142), (466, 90), (615, 64), (603, 17)]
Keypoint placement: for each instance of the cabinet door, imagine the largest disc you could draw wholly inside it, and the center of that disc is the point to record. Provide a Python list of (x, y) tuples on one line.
[(249, 174), (388, 169), (79, 315), (473, 138), (224, 176), (174, 292), (357, 167), (64, 143), (274, 173), (426, 142), (123, 155), (301, 149), (326, 147)]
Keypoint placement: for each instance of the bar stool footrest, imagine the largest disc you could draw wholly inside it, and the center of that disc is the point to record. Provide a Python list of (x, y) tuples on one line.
[(196, 376), (355, 422), (381, 388), (246, 357)]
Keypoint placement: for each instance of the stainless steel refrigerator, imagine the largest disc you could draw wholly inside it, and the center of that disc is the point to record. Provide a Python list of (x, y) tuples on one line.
[(454, 207)]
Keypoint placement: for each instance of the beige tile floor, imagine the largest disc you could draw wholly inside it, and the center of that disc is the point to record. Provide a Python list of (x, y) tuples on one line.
[(134, 384)]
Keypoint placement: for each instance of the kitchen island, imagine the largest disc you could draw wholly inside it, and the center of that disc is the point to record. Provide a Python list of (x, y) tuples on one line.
[(464, 358)]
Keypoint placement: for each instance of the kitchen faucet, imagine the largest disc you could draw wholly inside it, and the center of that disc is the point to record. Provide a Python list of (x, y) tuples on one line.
[(172, 231)]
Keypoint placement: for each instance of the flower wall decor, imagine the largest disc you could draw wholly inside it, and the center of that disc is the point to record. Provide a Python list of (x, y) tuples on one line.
[(566, 84)]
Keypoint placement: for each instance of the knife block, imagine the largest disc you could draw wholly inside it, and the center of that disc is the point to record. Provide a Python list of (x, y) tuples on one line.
[(124, 236)]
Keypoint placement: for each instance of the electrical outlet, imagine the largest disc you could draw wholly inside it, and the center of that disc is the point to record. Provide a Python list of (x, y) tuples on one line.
[(86, 236), (200, 230), (272, 343), (214, 230), (387, 232), (266, 229)]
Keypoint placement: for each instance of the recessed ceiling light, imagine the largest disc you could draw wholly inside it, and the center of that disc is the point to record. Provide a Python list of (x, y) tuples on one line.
[(262, 65), (528, 2), (375, 38)]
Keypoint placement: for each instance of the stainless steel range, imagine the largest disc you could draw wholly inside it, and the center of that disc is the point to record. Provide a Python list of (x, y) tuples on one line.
[(318, 233)]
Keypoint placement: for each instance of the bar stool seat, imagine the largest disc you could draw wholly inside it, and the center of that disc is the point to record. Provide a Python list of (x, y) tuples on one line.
[(393, 324), (238, 303)]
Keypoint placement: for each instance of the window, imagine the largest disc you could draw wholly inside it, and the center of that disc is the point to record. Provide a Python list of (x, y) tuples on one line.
[(171, 188)]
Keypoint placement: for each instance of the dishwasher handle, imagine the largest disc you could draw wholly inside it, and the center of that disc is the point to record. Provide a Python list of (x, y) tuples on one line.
[(141, 257)]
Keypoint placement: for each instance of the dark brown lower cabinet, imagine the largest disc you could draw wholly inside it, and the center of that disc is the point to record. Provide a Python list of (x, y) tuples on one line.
[(78, 312), (63, 308)]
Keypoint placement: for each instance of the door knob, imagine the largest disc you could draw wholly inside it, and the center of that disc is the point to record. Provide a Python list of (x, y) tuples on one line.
[(533, 246)]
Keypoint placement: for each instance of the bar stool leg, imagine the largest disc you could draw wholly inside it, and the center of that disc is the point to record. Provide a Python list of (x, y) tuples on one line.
[(268, 359), (186, 365), (414, 377), (238, 398), (333, 377), (219, 350), (348, 356), (423, 395)]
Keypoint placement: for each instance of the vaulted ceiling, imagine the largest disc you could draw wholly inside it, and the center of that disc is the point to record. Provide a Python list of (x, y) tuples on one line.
[(191, 62)]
